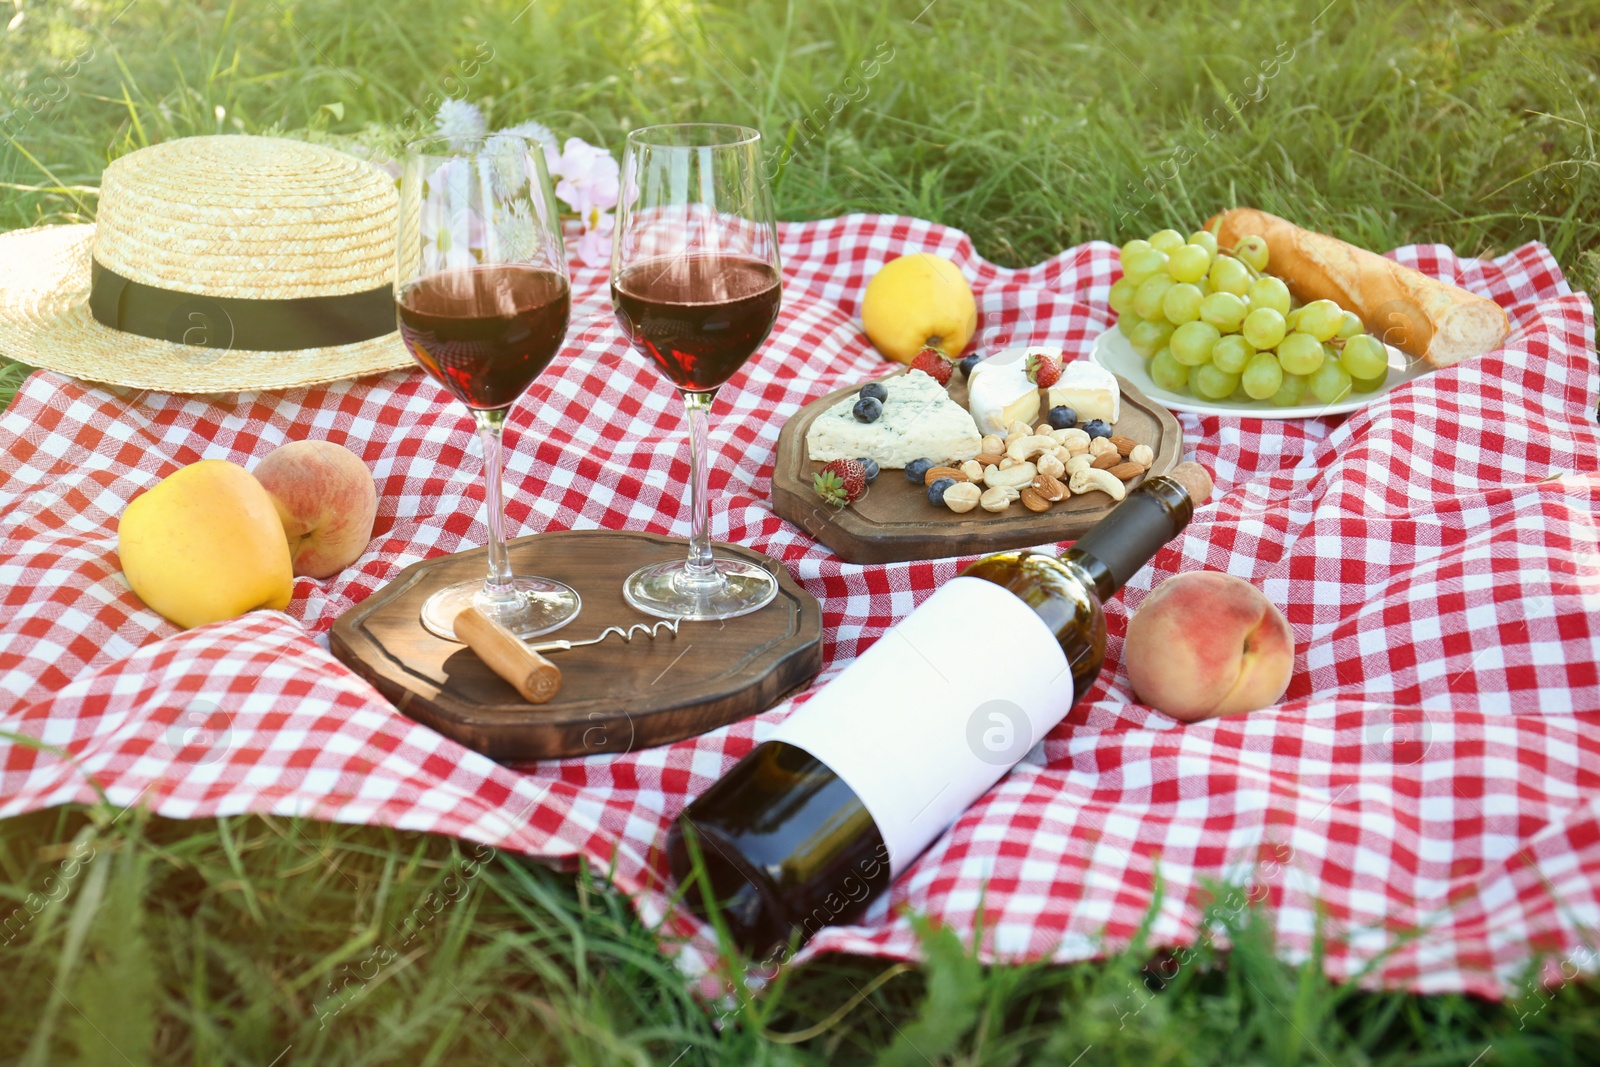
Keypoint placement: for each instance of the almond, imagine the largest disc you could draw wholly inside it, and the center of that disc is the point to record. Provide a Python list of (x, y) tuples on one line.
[(1105, 460), (984, 459), (1033, 500), (1050, 487), (1124, 471), (1124, 445), (935, 473)]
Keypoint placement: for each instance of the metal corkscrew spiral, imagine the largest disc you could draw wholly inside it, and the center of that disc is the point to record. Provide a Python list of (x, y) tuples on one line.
[(652, 631)]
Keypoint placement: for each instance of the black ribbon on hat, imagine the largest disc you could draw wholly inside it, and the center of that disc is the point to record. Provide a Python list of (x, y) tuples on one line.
[(232, 322)]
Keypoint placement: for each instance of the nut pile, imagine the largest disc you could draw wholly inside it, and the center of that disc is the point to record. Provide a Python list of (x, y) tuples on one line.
[(1038, 467)]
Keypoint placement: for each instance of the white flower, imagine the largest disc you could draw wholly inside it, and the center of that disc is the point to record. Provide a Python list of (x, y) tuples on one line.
[(446, 221), (505, 160), (538, 131), (446, 238), (588, 177), (518, 236), (459, 121)]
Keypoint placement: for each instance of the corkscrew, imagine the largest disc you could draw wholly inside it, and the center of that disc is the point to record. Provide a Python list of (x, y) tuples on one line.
[(627, 635)]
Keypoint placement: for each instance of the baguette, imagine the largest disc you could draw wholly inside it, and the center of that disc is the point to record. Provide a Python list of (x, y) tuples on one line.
[(1440, 322)]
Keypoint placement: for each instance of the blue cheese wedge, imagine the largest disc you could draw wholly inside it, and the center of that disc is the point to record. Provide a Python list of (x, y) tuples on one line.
[(919, 421), (1089, 389)]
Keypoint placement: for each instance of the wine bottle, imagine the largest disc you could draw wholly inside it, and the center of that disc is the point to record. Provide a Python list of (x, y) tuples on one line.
[(818, 819)]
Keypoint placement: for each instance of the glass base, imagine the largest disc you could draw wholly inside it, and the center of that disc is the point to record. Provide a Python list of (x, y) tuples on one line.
[(665, 589), (546, 605)]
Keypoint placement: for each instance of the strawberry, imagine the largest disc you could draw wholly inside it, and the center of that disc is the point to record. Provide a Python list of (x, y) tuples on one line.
[(1044, 370), (840, 482), (931, 362)]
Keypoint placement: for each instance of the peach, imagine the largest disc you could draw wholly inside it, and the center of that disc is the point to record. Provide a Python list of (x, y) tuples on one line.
[(326, 500), (1205, 644)]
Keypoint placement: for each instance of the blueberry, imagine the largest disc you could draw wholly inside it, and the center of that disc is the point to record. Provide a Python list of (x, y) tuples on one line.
[(867, 409), (1063, 418), (1097, 428), (869, 465), (968, 363), (936, 490), (916, 469), (875, 390)]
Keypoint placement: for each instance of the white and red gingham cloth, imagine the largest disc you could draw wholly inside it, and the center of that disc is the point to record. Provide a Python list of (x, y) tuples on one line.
[(1428, 792)]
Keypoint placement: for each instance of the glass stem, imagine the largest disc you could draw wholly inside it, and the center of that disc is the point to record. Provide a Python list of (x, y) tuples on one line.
[(700, 573), (499, 588)]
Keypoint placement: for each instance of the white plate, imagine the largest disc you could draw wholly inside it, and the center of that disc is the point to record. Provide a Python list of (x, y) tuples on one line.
[(1113, 352)]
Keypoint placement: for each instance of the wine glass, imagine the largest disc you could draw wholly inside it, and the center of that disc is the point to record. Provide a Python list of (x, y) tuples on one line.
[(483, 297), (696, 288)]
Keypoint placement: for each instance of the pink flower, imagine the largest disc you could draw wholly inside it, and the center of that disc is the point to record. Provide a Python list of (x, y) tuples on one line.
[(588, 185), (588, 177), (594, 247)]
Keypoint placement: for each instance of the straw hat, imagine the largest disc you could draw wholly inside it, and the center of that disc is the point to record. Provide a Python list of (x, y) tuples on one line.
[(216, 264)]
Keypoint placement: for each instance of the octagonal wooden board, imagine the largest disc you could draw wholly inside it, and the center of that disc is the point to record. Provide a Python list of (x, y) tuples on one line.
[(614, 697), (894, 521)]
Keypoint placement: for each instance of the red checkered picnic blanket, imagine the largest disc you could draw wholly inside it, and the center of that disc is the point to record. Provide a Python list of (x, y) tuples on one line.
[(1426, 792)]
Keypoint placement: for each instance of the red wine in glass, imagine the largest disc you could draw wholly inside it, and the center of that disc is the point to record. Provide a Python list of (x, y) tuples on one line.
[(485, 332), (698, 316), (695, 285), (482, 296)]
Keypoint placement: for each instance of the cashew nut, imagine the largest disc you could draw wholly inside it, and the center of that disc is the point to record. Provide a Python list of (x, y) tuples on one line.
[(1019, 429), (1087, 481), (1049, 464), (1080, 462), (962, 497), (1028, 447), (1143, 455), (1011, 477)]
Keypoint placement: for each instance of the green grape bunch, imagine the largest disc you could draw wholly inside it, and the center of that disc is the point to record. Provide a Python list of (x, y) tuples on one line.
[(1211, 323)]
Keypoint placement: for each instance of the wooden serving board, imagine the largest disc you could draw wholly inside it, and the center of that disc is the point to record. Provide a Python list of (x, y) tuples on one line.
[(894, 521), (614, 697)]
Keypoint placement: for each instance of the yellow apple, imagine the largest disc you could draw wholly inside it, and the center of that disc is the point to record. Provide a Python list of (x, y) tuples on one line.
[(205, 544), (919, 301)]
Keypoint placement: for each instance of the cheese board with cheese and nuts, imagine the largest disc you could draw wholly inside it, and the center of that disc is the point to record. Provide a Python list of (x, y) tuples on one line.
[(1020, 448)]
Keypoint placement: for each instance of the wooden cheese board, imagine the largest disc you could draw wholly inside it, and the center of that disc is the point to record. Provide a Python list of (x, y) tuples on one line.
[(615, 696), (894, 521)]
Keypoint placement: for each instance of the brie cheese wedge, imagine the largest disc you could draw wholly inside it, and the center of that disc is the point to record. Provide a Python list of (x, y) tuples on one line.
[(919, 421), (999, 392), (1089, 389)]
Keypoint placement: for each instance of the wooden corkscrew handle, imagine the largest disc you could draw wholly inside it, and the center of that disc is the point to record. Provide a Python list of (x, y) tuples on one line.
[(533, 676)]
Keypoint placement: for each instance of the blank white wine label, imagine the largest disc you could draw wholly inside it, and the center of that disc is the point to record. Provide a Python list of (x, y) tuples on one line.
[(924, 722)]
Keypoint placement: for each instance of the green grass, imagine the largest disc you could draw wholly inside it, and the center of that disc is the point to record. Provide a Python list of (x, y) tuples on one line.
[(1032, 126), (240, 940)]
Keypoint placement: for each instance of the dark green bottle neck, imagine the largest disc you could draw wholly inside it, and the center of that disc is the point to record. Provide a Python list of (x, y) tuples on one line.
[(1120, 544)]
